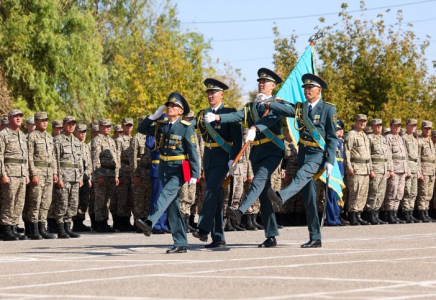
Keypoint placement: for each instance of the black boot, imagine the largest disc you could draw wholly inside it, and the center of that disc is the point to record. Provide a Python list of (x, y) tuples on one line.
[(103, 227), (61, 231), (43, 231), (229, 226), (428, 217), (239, 227), (27, 229), (124, 224), (377, 216), (93, 224), (360, 220), (52, 225), (352, 218), (254, 220), (371, 217), (34, 231), (7, 233), (422, 217), (78, 226), (248, 222), (407, 216), (188, 225), (390, 217), (415, 220), (69, 232), (192, 221), (186, 221), (116, 222), (19, 236), (394, 215)]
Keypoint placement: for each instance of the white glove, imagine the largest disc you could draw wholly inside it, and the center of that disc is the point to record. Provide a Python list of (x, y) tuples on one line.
[(251, 135), (158, 113), (192, 181), (231, 170), (209, 117), (328, 168), (260, 98)]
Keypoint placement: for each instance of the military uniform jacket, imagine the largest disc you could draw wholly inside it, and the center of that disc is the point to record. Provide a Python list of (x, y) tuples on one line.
[(41, 152), (325, 124), (13, 145), (179, 140), (399, 154), (68, 152), (413, 155), (380, 154), (358, 153), (105, 160), (87, 161), (139, 156), (123, 147), (230, 132), (427, 156), (272, 121)]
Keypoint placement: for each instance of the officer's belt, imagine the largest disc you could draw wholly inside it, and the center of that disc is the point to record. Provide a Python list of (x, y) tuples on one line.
[(379, 160), (214, 145), (15, 161), (413, 159), (42, 164), (308, 143), (395, 157), (68, 165), (125, 161), (265, 140), (360, 161), (173, 158), (108, 167), (155, 161), (428, 160), (339, 159)]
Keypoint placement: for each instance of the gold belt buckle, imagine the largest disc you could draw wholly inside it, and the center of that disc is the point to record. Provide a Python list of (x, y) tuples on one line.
[(165, 158), (305, 143)]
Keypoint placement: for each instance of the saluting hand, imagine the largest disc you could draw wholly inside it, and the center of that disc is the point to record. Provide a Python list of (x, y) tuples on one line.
[(158, 113)]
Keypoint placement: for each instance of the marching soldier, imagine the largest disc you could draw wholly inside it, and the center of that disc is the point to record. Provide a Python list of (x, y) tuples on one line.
[(43, 173), (85, 189), (222, 144), (70, 177), (14, 175), (106, 166), (426, 181), (380, 172), (175, 139), (414, 161), (266, 154), (400, 168), (122, 208)]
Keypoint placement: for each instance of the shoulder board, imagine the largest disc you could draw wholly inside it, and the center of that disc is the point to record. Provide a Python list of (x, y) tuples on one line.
[(329, 103), (185, 122), (162, 121)]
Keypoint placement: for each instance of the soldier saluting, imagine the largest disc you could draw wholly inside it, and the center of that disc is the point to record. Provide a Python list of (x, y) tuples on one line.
[(175, 139)]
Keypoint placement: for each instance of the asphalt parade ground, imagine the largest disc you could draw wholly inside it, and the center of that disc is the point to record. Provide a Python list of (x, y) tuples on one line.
[(362, 262)]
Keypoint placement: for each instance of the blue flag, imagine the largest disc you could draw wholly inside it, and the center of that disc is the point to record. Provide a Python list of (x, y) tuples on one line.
[(292, 92)]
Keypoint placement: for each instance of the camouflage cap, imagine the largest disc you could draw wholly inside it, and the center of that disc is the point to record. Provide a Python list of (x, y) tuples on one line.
[(418, 132), (361, 117), (141, 119), (94, 127), (403, 131), (30, 121), (433, 133), (395, 122), (412, 122), (81, 127), (190, 114), (104, 122), (368, 129), (127, 121), (15, 112), (386, 130), (376, 122), (4, 120), (118, 128), (42, 115), (68, 119), (426, 124), (56, 124)]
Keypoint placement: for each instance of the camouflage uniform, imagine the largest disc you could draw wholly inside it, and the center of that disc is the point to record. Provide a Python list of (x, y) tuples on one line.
[(426, 186), (295, 204), (187, 192), (106, 166), (399, 165), (140, 162), (411, 185), (68, 152), (94, 133), (13, 163)]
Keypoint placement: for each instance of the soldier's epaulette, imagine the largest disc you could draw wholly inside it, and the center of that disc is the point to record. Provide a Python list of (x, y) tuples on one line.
[(329, 103), (185, 123), (162, 121)]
